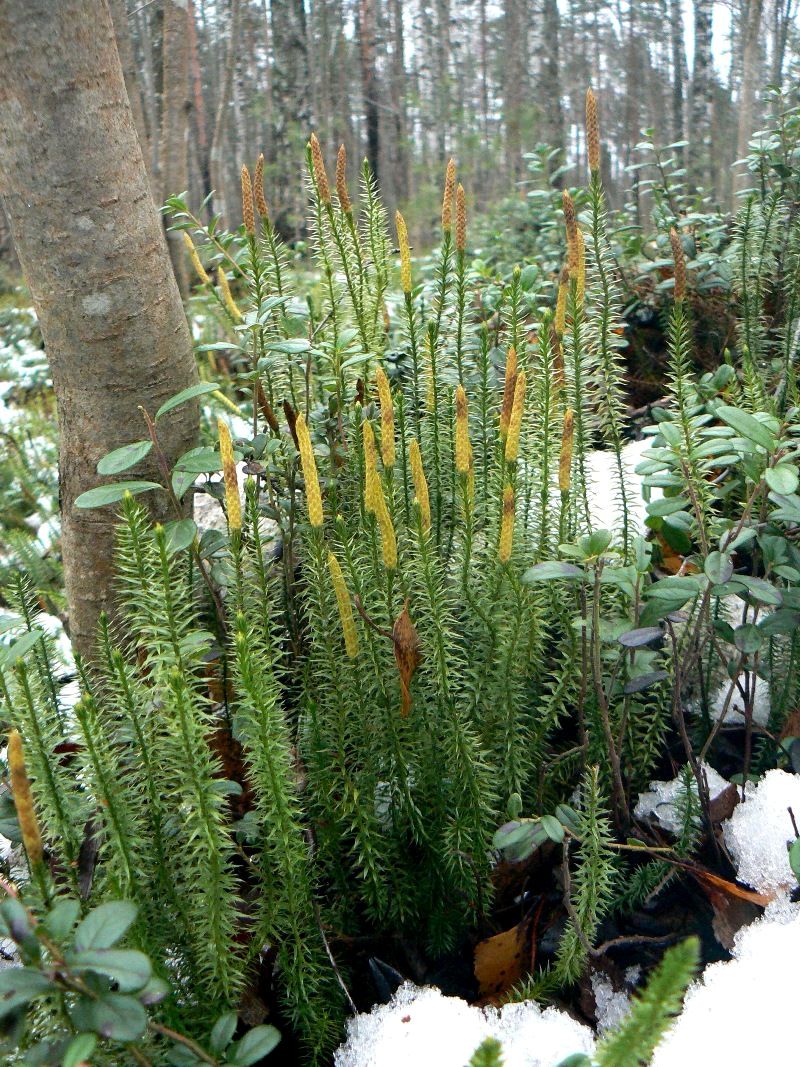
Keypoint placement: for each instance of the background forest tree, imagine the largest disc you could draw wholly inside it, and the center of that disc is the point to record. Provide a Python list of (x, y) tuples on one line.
[(407, 83)]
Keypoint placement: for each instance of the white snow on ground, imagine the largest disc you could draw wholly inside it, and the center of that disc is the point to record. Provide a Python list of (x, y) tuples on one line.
[(612, 1004), (663, 800), (603, 487), (758, 831), (23, 364), (743, 1013), (423, 1028), (734, 716)]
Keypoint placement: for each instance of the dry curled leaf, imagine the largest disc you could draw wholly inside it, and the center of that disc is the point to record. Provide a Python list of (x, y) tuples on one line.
[(407, 655), (266, 410), (711, 881), (291, 420), (721, 807), (499, 961), (791, 728), (730, 915)]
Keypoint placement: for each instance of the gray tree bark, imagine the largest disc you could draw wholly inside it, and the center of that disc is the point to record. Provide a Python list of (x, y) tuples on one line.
[(291, 112), (514, 61), (175, 122), (119, 16), (92, 248), (702, 94), (217, 157), (549, 82), (751, 25), (369, 82), (679, 72)]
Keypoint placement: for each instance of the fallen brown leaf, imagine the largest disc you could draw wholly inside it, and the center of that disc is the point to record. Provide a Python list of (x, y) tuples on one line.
[(499, 961), (733, 889), (791, 728), (673, 562), (721, 807), (730, 915)]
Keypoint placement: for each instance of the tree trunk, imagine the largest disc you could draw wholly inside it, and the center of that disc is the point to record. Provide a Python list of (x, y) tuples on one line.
[(175, 122), (441, 75), (784, 14), (198, 104), (702, 94), (400, 156), (513, 86), (483, 50), (751, 24), (369, 82), (634, 76), (92, 249), (550, 78), (678, 72), (217, 160), (122, 33), (290, 111), (150, 101)]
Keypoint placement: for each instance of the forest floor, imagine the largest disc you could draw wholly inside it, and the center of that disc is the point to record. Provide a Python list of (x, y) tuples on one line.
[(437, 1012)]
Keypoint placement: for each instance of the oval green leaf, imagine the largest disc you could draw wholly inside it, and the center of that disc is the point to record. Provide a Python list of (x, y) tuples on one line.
[(666, 505), (553, 828), (20, 648), (254, 1046), (180, 534), (748, 638), (79, 1050), (105, 925), (782, 479), (747, 426), (122, 458), (112, 494), (129, 968), (644, 681), (115, 1016), (186, 394), (644, 635), (223, 1031), (718, 567), (548, 572)]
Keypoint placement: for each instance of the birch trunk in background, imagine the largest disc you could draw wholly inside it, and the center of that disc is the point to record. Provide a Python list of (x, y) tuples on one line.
[(702, 94), (119, 16), (217, 160), (175, 123), (92, 248), (747, 97)]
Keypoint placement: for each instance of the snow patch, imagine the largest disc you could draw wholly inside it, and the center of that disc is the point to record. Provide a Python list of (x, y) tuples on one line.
[(758, 831), (423, 1027), (603, 488), (741, 1009), (612, 1004), (664, 800)]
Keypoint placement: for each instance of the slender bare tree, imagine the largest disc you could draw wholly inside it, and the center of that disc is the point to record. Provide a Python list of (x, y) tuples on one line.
[(751, 26), (175, 121), (369, 81), (119, 14), (702, 93)]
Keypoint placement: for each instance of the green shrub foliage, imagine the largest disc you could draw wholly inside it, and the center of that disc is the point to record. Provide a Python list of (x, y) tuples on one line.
[(272, 752)]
